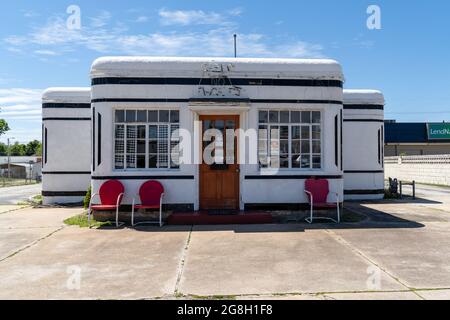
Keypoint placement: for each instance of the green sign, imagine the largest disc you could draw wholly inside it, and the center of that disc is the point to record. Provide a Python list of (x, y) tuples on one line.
[(438, 131)]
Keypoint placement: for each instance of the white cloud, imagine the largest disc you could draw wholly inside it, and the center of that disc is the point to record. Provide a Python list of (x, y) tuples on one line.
[(217, 40), (142, 19), (46, 52), (21, 108), (101, 20), (191, 17)]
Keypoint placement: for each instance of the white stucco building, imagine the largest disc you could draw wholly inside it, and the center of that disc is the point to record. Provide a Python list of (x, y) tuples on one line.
[(149, 118), (66, 148)]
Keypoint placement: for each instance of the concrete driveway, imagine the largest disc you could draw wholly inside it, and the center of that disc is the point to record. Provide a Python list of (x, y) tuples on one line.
[(387, 256)]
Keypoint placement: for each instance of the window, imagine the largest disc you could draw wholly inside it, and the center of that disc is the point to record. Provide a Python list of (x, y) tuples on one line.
[(146, 139), (289, 139)]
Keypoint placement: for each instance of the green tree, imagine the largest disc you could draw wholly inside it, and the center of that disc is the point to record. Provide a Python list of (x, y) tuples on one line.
[(18, 149), (3, 149), (32, 148), (3, 126)]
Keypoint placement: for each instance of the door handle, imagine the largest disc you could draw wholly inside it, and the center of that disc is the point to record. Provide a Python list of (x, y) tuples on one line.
[(238, 170)]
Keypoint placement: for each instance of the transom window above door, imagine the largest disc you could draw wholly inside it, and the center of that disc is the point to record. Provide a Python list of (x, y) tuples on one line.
[(290, 139), (146, 139)]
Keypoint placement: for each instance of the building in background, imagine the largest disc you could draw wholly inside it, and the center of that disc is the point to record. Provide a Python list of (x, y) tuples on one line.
[(21, 167), (413, 139)]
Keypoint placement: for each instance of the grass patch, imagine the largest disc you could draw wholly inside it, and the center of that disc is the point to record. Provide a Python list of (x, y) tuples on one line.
[(214, 297), (389, 195), (33, 201), (81, 220)]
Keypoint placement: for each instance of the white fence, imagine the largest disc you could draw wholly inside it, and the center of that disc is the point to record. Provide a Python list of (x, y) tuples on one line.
[(433, 169)]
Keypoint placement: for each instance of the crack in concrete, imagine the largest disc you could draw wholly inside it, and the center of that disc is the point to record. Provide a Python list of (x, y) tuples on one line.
[(371, 261), (31, 244), (182, 263)]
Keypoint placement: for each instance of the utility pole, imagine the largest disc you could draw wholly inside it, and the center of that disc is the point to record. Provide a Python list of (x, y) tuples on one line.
[(235, 45), (9, 158)]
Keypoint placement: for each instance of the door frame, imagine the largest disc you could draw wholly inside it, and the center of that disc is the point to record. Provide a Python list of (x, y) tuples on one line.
[(237, 185)]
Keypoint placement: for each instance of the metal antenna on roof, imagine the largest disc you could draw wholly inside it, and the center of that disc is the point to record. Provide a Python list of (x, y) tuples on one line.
[(235, 45)]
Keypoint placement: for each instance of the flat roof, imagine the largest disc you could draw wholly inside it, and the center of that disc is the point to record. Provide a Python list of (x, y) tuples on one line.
[(243, 67), (363, 96), (67, 95)]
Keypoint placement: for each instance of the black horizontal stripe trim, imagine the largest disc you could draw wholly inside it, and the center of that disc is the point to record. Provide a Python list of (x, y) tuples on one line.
[(143, 177), (363, 171), (63, 193), (363, 107), (363, 192), (66, 119), (157, 100), (363, 120), (207, 81), (67, 172), (66, 106), (291, 177)]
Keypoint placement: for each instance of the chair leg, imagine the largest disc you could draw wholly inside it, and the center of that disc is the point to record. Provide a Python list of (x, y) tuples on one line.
[(338, 214), (132, 214), (117, 217), (160, 216)]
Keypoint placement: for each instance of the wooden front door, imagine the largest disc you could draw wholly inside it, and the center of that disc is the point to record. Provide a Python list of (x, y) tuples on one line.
[(219, 176)]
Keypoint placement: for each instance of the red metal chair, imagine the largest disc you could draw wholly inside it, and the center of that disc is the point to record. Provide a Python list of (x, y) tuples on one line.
[(151, 194), (111, 194), (317, 191)]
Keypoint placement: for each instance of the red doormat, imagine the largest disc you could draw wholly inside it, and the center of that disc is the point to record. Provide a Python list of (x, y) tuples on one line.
[(203, 218)]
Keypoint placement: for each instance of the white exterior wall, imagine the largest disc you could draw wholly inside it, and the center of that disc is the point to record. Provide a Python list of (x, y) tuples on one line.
[(363, 168), (186, 191), (67, 149)]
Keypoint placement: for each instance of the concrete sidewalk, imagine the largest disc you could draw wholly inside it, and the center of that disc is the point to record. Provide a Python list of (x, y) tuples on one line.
[(390, 255)]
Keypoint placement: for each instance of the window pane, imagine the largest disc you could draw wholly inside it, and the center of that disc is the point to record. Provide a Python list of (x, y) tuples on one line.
[(142, 116), (295, 117), (141, 132), (131, 132), (316, 132), (284, 117), (174, 116), (163, 161), (295, 146), (120, 134), (174, 131), (306, 116), (316, 117), (153, 132), (284, 161), (305, 132), (120, 116), (284, 146), (263, 116), (140, 163), (153, 116), (316, 146), (141, 146), (295, 132), (296, 161), (316, 162), (119, 147), (130, 116), (118, 161), (274, 116), (284, 132), (305, 161), (152, 163), (131, 161), (305, 147), (153, 146), (163, 115)]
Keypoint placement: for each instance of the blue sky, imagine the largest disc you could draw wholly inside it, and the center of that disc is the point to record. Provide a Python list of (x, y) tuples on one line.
[(408, 59)]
